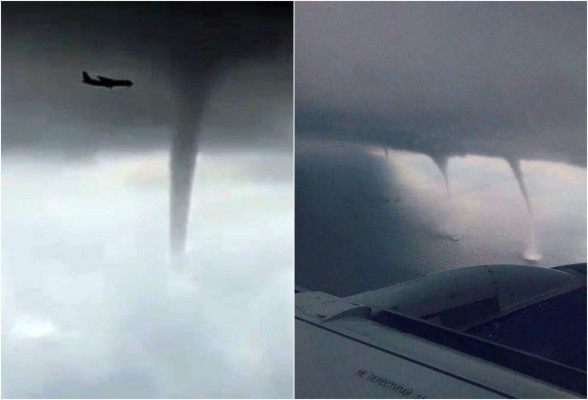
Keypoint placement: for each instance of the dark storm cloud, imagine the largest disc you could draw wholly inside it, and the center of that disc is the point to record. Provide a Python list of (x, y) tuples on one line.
[(500, 79), (180, 56), (216, 75), (174, 53)]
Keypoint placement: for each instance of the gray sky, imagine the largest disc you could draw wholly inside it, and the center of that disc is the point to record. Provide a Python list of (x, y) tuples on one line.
[(168, 51), (90, 304), (484, 102), (504, 79)]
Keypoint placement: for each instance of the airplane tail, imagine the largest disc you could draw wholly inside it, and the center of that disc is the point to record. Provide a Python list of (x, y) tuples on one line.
[(86, 77)]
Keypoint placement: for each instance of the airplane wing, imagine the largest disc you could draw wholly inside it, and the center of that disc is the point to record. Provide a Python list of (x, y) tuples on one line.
[(495, 331)]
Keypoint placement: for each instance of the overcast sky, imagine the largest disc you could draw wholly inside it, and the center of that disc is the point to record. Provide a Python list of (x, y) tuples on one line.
[(501, 79), (168, 51), (392, 97), (91, 306)]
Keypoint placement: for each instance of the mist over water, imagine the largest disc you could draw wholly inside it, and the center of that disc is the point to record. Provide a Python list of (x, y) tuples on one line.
[(91, 307)]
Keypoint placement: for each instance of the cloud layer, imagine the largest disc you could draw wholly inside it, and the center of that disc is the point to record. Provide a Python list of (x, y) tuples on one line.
[(499, 79), (91, 308)]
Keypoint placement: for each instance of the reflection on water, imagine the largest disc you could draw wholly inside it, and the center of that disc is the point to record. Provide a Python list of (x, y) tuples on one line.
[(364, 220), (90, 307)]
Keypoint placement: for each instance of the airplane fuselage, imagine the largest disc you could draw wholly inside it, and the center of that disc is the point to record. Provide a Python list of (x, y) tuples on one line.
[(105, 82)]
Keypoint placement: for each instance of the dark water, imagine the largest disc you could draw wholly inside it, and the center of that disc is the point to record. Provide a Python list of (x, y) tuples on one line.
[(365, 221)]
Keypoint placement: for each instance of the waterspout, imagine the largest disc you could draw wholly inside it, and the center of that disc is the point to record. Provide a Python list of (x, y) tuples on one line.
[(454, 226), (531, 252), (441, 163), (182, 165)]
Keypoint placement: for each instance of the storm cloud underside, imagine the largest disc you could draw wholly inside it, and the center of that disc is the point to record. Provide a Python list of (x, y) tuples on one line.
[(504, 80), (181, 52), (486, 78), (210, 80)]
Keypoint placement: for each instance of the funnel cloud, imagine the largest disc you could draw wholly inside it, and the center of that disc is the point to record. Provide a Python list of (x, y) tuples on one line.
[(103, 188), (495, 79), (178, 55), (465, 85), (531, 253)]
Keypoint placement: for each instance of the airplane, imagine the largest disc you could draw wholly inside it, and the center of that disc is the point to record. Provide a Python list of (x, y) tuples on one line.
[(490, 331), (103, 81)]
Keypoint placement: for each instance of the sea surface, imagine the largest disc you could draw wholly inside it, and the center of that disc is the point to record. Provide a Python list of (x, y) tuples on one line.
[(367, 217)]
